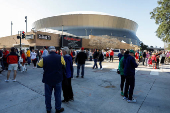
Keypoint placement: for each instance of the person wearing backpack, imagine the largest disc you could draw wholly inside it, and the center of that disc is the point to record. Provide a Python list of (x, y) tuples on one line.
[(129, 64), (121, 69)]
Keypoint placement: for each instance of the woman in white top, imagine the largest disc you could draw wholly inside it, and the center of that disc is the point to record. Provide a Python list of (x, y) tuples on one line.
[(33, 57)]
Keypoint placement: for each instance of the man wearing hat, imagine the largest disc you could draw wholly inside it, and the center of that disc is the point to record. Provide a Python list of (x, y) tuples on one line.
[(52, 78), (68, 74), (80, 60), (129, 65), (45, 52)]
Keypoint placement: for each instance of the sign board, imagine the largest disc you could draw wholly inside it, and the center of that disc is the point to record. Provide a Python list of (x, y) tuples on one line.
[(69, 41), (29, 36), (46, 37)]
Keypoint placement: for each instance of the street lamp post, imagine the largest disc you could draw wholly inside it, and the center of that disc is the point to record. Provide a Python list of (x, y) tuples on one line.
[(62, 29), (86, 31), (11, 27), (62, 35), (91, 31), (20, 39)]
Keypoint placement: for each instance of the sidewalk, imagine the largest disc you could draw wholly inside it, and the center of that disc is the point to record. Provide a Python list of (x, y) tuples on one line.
[(98, 92)]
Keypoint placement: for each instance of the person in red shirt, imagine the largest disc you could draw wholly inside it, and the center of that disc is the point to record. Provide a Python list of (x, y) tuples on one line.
[(137, 57), (5, 53), (111, 55), (154, 60), (12, 60), (41, 51), (71, 53), (23, 68), (107, 55)]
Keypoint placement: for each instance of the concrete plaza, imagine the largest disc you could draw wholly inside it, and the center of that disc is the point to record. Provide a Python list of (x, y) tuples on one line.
[(97, 92)]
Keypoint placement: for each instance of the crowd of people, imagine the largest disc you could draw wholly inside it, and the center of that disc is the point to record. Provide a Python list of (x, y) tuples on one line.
[(58, 68), (129, 60), (154, 58)]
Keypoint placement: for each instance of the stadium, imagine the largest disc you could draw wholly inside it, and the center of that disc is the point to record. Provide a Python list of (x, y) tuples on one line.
[(82, 24)]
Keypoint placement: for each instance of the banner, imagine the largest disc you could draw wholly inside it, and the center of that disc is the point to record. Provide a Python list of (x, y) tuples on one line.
[(71, 42), (46, 37), (29, 36)]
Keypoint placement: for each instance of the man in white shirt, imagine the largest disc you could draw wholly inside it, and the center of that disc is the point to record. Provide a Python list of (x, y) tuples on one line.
[(33, 58)]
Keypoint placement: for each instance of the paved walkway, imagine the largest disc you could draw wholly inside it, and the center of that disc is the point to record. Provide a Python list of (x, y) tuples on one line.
[(98, 92)]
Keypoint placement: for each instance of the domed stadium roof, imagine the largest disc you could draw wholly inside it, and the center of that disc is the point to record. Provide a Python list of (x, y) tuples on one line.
[(85, 12)]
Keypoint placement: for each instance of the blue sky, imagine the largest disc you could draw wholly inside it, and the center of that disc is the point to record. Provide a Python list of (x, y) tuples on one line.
[(136, 10)]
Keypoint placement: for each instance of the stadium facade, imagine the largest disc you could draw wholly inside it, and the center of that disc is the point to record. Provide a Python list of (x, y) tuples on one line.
[(82, 24)]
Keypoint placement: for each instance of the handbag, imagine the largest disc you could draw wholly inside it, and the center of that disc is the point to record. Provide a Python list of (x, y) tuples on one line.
[(118, 72)]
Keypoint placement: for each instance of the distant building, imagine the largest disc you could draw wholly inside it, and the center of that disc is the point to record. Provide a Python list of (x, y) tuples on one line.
[(83, 24)]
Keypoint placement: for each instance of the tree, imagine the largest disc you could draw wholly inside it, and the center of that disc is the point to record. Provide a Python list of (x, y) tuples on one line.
[(143, 46), (167, 46), (103, 43), (161, 15)]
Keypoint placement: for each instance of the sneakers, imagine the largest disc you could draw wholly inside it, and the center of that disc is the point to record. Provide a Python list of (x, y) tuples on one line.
[(124, 98), (71, 99), (6, 80), (64, 101), (82, 76), (48, 111), (122, 94), (14, 80), (58, 111), (131, 101), (77, 76)]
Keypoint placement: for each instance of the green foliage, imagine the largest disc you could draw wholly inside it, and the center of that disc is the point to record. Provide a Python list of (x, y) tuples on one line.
[(168, 48), (161, 15), (143, 46)]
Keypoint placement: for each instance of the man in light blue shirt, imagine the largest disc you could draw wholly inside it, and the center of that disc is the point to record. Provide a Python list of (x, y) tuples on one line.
[(45, 52)]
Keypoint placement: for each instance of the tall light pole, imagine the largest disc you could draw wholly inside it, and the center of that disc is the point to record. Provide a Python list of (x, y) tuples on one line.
[(91, 31), (62, 36), (62, 29), (26, 22), (11, 27), (86, 31)]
